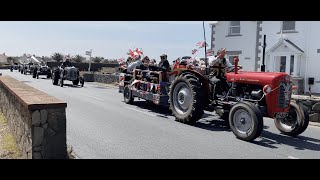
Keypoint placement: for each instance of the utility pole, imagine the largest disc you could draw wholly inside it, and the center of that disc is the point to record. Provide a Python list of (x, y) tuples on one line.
[(89, 53), (263, 66)]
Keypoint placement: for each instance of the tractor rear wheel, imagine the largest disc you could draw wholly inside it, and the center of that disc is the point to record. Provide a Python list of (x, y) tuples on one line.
[(296, 122), (186, 98)]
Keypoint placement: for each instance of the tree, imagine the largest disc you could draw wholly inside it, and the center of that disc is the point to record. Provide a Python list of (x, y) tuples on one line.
[(12, 60), (57, 57), (97, 59), (78, 59)]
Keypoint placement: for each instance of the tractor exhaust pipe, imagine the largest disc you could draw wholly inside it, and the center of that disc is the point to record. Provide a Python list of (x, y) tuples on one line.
[(236, 60)]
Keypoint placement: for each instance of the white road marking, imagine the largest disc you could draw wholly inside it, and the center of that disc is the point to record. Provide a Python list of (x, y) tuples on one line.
[(92, 97), (141, 111), (291, 157)]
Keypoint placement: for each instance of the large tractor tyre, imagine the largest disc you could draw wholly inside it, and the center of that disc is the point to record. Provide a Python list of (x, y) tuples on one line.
[(185, 98), (246, 121), (127, 95), (296, 122), (75, 82)]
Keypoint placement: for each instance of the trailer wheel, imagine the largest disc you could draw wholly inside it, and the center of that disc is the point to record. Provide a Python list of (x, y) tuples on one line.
[(127, 95), (185, 98), (296, 123), (246, 121)]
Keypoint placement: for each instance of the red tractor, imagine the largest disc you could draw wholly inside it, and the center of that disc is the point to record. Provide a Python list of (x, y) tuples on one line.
[(241, 98)]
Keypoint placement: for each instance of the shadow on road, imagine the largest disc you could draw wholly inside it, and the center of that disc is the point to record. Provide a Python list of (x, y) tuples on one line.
[(212, 122), (71, 85), (300, 142), (161, 111)]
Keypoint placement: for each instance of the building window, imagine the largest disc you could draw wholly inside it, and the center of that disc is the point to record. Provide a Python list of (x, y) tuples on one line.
[(283, 63), (231, 58), (288, 26), (291, 64), (234, 28)]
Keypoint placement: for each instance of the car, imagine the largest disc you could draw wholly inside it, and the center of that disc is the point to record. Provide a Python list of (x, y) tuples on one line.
[(60, 74), (41, 70)]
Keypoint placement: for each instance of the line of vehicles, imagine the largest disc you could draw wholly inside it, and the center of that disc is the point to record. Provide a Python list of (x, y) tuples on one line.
[(239, 97), (36, 68)]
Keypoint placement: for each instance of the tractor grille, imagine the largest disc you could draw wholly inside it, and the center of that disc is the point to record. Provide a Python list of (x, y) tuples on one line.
[(73, 74), (284, 96)]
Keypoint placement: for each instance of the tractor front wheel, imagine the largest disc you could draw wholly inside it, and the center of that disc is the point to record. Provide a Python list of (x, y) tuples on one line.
[(246, 121), (295, 123)]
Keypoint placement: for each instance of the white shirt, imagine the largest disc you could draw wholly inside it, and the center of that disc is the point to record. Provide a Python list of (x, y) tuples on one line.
[(212, 60), (133, 65)]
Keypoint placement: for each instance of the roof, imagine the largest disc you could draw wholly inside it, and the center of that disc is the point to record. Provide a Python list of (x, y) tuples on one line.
[(3, 58), (294, 45), (288, 43)]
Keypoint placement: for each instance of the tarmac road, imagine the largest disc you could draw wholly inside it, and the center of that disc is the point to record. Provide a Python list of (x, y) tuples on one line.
[(101, 125)]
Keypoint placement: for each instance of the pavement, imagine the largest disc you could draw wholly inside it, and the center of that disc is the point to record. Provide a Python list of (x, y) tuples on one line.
[(101, 126)]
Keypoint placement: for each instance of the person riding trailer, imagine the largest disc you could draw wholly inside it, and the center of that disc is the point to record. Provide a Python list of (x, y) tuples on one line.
[(164, 63)]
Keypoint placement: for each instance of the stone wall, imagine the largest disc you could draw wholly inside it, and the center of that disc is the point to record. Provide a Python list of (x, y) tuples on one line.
[(299, 82), (103, 78), (36, 120), (311, 104)]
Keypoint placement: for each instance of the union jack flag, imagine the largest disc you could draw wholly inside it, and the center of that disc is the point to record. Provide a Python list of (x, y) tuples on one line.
[(139, 51), (202, 44), (130, 53), (194, 51)]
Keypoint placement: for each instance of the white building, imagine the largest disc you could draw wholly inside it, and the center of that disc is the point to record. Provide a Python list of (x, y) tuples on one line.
[(292, 47)]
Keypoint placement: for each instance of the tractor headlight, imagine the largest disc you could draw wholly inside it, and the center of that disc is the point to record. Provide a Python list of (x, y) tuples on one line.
[(267, 89), (288, 79)]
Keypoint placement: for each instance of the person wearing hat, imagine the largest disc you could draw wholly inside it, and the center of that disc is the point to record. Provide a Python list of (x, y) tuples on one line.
[(66, 63), (164, 63), (137, 62), (214, 60)]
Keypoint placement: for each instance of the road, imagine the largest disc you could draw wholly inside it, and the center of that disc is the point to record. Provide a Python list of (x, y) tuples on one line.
[(100, 125)]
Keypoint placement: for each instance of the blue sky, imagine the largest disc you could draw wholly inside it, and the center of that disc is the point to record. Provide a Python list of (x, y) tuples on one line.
[(109, 39)]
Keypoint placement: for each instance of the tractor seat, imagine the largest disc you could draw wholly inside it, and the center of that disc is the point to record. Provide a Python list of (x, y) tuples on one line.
[(214, 80)]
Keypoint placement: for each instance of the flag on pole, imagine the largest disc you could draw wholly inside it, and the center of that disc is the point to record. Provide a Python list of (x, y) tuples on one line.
[(202, 44), (194, 51), (139, 51)]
